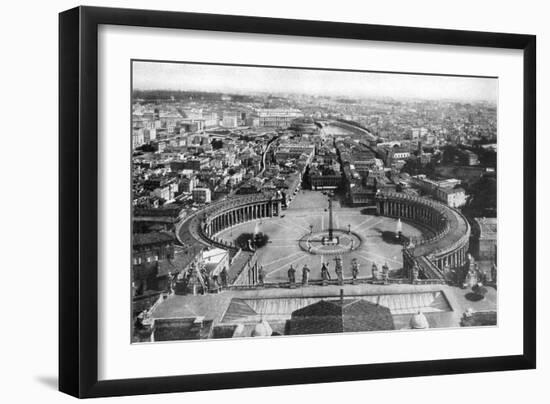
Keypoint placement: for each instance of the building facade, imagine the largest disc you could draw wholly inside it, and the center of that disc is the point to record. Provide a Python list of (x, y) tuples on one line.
[(202, 195), (277, 118)]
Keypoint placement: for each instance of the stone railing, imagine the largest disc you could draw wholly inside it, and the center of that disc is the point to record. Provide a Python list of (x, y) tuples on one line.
[(333, 282)]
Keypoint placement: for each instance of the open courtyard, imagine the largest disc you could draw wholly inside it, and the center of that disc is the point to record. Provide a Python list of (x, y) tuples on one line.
[(308, 213)]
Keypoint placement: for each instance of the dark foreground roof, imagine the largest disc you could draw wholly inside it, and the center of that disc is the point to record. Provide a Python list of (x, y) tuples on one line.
[(331, 316), (176, 329), (480, 318)]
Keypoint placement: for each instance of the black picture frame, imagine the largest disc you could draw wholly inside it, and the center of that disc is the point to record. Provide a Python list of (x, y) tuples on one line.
[(78, 196)]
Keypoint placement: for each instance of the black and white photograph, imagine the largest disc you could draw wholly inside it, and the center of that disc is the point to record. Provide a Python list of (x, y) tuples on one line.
[(276, 202), (272, 201)]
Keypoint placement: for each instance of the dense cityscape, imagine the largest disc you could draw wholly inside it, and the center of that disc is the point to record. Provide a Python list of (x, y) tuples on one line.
[(272, 213)]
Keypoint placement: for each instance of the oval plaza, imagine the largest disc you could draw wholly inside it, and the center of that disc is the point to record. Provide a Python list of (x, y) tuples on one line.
[(438, 254)]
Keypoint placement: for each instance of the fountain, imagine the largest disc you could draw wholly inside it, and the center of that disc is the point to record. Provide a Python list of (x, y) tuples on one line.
[(399, 229), (330, 241)]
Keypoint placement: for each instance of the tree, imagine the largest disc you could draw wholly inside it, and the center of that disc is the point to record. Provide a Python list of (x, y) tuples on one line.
[(260, 240), (217, 144), (257, 241), (146, 148), (483, 198), (452, 154)]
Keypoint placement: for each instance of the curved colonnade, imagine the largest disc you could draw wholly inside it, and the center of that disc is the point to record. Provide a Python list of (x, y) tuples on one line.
[(205, 224), (444, 252), (437, 256)]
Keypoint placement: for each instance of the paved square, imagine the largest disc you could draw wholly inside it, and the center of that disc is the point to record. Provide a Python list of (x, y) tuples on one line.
[(310, 208)]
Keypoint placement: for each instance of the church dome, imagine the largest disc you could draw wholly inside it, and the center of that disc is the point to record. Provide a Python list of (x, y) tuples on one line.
[(262, 329), (419, 321)]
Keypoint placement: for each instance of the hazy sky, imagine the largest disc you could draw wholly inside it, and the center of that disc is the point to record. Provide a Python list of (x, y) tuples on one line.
[(242, 79)]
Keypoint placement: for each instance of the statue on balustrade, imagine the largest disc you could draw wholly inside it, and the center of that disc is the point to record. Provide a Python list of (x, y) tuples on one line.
[(385, 272), (204, 274), (374, 270), (223, 277), (213, 284), (339, 270), (171, 282), (291, 275), (325, 274), (471, 278), (354, 268), (414, 272), (305, 275)]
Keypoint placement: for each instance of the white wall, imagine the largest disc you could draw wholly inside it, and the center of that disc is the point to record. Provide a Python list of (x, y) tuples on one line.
[(28, 94)]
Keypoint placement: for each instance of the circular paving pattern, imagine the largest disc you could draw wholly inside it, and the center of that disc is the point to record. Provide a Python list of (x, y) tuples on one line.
[(319, 243)]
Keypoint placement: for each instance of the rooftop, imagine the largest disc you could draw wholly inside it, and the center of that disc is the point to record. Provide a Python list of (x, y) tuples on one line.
[(487, 226), (346, 315), (214, 255), (245, 306), (140, 239), (237, 264), (181, 329), (450, 191)]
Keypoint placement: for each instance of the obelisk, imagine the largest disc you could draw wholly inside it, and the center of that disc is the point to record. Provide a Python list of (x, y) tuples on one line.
[(330, 233)]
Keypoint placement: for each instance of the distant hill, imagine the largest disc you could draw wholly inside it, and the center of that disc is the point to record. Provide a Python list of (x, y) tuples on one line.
[(165, 95)]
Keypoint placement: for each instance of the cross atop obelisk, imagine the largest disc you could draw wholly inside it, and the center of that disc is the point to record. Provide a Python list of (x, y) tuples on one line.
[(330, 227)]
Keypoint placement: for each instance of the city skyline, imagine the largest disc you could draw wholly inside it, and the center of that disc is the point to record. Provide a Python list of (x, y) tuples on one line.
[(259, 216), (180, 76)]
